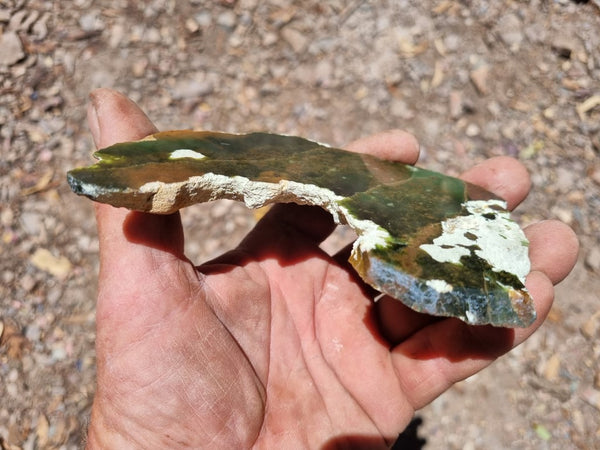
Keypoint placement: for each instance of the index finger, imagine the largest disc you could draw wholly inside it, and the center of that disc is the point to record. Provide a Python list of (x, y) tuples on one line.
[(502, 175), (393, 145)]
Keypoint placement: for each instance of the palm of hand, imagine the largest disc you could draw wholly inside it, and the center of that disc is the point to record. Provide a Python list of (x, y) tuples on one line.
[(274, 344), (249, 348)]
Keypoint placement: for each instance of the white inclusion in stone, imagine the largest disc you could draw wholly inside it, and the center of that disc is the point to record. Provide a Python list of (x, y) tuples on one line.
[(471, 318), (499, 239), (186, 153), (439, 285)]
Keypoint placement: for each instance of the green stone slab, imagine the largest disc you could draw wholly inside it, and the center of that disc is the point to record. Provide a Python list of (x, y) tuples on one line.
[(439, 245)]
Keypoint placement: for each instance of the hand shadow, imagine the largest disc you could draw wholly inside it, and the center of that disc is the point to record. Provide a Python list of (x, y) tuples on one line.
[(407, 440)]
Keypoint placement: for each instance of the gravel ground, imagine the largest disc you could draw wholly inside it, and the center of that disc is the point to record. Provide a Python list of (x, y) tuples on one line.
[(471, 78)]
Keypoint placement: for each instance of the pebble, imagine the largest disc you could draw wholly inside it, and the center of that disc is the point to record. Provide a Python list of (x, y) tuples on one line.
[(40, 28), (472, 130), (479, 78), (11, 49), (227, 19), (203, 19), (510, 29), (564, 46), (565, 179), (191, 88), (269, 39), (594, 174), (591, 327), (591, 396), (4, 15), (91, 22), (27, 282), (33, 332), (592, 259), (552, 368), (297, 40), (32, 223), (399, 108), (455, 104)]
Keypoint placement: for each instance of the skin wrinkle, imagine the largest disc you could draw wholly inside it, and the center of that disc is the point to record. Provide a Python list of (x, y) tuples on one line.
[(150, 329), (214, 399), (327, 285), (278, 298), (214, 307)]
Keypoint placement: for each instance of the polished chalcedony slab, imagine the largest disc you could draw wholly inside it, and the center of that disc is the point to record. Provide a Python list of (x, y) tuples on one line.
[(438, 244)]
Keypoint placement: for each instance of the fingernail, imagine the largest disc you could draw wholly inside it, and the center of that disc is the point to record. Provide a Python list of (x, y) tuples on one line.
[(92, 116)]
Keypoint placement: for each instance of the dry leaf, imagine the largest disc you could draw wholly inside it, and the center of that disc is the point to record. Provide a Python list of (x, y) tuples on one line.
[(408, 49), (46, 261), (12, 339), (42, 430), (588, 105), (443, 7), (41, 185), (438, 75), (552, 368)]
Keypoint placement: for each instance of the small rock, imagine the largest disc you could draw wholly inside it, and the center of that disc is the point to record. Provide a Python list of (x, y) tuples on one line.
[(91, 22), (13, 340), (27, 283), (191, 88), (153, 36), (138, 68), (40, 28), (591, 396), (563, 214), (42, 429), (452, 42), (44, 260), (592, 260), (297, 40), (565, 179), (594, 174), (33, 332), (11, 49), (552, 368), (455, 104), (4, 15), (227, 19), (220, 208), (117, 34), (191, 25), (16, 21), (565, 44), (32, 223), (323, 72), (399, 108), (59, 352), (472, 130), (12, 390), (510, 28), (591, 328), (203, 19), (479, 78), (269, 38)]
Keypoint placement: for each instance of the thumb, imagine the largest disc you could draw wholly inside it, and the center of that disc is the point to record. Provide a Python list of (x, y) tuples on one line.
[(137, 250)]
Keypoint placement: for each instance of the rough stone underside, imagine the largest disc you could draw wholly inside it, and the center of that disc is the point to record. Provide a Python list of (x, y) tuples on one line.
[(439, 245)]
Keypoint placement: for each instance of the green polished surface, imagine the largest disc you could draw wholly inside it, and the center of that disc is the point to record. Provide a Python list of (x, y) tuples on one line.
[(397, 210)]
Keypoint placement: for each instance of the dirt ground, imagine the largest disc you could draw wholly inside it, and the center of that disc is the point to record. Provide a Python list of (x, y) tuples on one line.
[(471, 79)]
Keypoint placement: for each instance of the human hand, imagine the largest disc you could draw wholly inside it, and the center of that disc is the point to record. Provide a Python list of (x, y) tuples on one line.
[(276, 344)]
